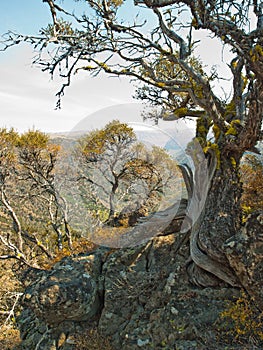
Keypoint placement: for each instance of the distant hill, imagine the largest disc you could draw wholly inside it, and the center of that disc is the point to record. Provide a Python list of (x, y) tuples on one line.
[(173, 139)]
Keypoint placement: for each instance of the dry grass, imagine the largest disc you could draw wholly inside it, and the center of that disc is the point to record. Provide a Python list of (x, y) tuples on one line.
[(9, 289), (81, 245), (91, 340), (9, 337)]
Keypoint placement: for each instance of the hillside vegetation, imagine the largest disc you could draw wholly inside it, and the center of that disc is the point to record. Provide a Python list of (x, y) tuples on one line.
[(35, 222)]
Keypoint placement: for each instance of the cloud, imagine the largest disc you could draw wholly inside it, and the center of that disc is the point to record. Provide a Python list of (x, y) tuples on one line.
[(27, 95)]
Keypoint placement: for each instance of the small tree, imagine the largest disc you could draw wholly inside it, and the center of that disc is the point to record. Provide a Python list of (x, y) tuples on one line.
[(30, 200), (38, 157), (121, 174), (103, 155)]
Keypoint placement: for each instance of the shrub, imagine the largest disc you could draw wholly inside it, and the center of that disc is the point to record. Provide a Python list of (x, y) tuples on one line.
[(241, 322)]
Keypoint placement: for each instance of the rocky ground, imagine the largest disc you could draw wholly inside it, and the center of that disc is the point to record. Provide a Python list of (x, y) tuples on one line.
[(139, 298)]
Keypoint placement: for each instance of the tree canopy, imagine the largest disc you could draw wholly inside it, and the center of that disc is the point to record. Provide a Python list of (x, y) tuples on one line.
[(159, 50)]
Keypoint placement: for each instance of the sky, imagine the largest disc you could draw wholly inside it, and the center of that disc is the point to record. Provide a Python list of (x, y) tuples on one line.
[(27, 95)]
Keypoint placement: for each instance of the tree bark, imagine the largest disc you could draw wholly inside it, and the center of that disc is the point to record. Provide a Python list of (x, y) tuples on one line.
[(219, 220)]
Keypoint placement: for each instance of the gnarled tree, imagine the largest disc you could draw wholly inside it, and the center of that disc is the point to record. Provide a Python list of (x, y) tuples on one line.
[(119, 177), (163, 59)]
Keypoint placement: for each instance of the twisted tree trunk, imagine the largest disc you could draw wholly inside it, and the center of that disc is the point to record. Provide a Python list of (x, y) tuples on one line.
[(218, 221)]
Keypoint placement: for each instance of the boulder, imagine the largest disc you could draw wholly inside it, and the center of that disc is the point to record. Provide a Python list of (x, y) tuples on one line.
[(67, 292)]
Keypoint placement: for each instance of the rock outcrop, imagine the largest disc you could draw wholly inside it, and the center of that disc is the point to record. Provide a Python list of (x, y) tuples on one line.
[(138, 297)]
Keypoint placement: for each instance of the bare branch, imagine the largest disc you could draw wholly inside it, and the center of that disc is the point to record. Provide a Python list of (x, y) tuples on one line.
[(184, 52), (16, 222)]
